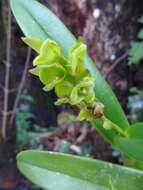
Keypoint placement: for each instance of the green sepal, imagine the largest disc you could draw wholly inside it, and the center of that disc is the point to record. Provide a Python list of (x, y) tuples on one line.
[(48, 88), (49, 53), (76, 58), (50, 75), (61, 101), (35, 71), (34, 43)]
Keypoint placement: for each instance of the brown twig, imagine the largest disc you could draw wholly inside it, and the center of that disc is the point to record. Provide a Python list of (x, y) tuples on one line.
[(20, 88), (114, 65), (8, 113), (9, 90), (7, 75)]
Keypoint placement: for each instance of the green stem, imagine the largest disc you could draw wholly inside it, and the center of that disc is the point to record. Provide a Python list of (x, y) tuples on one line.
[(114, 126)]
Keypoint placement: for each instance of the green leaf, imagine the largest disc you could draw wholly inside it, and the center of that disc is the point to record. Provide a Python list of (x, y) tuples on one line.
[(135, 53), (135, 131), (140, 34), (140, 20), (132, 163), (37, 21), (131, 147), (56, 171), (34, 43)]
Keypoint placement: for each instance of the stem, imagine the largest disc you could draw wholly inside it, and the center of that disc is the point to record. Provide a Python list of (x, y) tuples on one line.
[(114, 126), (20, 88), (7, 75), (114, 65)]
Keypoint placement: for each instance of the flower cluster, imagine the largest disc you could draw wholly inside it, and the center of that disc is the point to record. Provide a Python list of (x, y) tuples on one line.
[(69, 78)]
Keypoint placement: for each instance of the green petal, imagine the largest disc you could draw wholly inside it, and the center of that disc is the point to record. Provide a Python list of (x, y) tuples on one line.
[(63, 88), (76, 97), (49, 53), (34, 43), (83, 91), (50, 75), (76, 58), (49, 87), (61, 101)]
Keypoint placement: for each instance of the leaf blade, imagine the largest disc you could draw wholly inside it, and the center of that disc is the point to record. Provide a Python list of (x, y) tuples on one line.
[(93, 174), (131, 147), (135, 131)]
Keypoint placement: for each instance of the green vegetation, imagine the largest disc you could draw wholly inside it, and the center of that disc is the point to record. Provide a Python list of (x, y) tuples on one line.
[(136, 50), (61, 62), (28, 132)]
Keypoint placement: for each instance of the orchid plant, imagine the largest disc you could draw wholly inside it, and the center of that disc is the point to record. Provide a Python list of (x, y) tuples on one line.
[(62, 64), (71, 80)]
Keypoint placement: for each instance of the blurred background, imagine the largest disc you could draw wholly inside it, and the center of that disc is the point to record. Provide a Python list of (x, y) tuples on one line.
[(113, 32)]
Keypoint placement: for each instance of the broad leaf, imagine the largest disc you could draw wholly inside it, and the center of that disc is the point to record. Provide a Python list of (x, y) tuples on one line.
[(140, 34), (55, 171), (37, 21), (135, 131), (131, 147), (135, 53), (132, 163)]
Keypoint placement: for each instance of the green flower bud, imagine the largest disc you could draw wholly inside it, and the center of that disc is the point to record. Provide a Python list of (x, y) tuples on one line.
[(84, 114), (98, 108), (107, 124)]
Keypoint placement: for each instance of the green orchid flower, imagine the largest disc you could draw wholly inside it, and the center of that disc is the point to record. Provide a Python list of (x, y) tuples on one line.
[(83, 92), (69, 78), (64, 88), (49, 53)]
